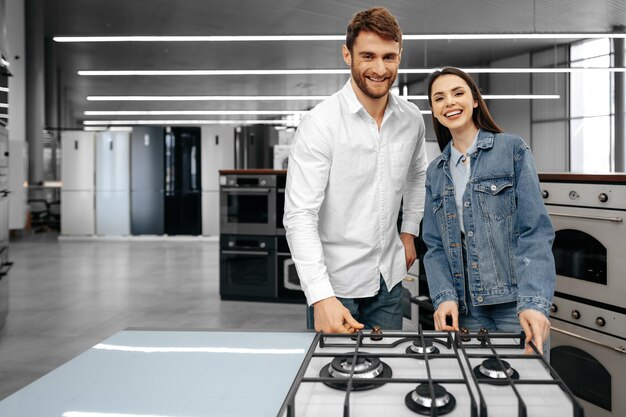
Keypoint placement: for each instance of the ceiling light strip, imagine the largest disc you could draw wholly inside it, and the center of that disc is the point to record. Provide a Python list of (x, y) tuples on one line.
[(300, 98), (204, 98), (190, 112), (283, 38), (183, 122), (342, 71)]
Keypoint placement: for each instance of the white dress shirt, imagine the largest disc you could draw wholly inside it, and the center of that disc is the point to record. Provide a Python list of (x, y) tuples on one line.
[(345, 184)]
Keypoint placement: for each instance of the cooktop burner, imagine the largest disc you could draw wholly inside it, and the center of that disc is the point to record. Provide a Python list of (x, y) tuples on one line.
[(420, 400), (454, 375), (491, 371), (365, 368), (417, 347)]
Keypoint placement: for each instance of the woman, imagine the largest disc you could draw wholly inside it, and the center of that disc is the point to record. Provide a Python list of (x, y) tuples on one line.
[(489, 261)]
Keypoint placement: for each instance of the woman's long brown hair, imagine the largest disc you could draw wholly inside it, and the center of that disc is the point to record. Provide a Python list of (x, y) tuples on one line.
[(481, 116)]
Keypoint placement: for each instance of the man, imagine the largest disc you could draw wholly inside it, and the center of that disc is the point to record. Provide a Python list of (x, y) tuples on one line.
[(355, 158)]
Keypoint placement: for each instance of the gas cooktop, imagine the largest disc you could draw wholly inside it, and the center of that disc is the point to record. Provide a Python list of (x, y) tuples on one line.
[(399, 374)]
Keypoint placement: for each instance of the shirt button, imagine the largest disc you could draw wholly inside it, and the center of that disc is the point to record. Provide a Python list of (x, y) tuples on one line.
[(470, 233), (474, 265), (479, 298), (493, 187), (466, 204)]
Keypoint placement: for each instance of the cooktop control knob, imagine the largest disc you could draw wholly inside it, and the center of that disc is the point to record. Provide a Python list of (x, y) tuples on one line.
[(545, 193), (603, 197), (573, 195), (600, 321), (575, 314), (554, 308)]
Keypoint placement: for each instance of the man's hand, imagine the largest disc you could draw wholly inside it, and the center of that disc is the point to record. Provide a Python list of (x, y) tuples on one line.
[(445, 309), (536, 326), (409, 248), (332, 317)]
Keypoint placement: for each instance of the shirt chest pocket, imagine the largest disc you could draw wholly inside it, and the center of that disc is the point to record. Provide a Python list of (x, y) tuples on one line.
[(496, 198), (400, 154)]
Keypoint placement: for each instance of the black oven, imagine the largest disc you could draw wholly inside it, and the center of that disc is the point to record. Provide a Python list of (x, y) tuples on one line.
[(248, 267), (289, 289), (248, 204)]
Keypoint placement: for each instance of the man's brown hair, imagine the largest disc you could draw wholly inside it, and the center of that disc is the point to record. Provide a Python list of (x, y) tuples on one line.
[(377, 20)]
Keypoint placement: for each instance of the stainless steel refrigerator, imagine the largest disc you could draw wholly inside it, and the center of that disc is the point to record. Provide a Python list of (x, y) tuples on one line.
[(217, 153), (183, 189), (77, 176), (113, 183), (147, 179)]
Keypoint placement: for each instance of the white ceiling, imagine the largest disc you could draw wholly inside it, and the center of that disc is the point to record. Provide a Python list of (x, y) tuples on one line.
[(279, 17)]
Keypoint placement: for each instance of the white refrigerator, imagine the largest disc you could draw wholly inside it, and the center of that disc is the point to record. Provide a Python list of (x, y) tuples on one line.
[(217, 152), (77, 176), (113, 183)]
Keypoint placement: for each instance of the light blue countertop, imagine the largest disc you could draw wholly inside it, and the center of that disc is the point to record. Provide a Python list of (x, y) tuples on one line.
[(169, 374)]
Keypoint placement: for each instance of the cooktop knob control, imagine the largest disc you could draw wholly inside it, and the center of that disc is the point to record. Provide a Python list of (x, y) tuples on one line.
[(545, 193), (600, 321), (575, 314), (554, 308), (573, 195), (603, 197)]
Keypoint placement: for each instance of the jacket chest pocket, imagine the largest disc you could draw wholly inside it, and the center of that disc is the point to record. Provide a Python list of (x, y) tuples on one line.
[(496, 198)]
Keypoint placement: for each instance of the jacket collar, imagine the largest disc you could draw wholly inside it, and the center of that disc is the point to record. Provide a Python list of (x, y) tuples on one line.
[(485, 142)]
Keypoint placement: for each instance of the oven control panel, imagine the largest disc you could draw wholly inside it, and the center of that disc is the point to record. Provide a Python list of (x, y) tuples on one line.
[(591, 317), (584, 195)]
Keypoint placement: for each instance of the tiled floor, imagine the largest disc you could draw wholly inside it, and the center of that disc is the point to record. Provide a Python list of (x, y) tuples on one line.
[(66, 296)]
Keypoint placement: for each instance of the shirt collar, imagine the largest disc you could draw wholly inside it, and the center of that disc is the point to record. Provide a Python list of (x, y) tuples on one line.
[(456, 156), (354, 105)]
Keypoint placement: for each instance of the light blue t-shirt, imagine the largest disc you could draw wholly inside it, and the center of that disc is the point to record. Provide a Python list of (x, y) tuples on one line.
[(460, 175)]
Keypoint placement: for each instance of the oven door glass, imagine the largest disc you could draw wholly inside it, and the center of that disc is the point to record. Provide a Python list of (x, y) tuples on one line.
[(247, 274), (591, 367), (589, 253), (248, 211), (289, 288)]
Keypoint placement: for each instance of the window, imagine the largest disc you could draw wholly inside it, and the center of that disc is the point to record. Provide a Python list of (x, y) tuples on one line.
[(591, 108)]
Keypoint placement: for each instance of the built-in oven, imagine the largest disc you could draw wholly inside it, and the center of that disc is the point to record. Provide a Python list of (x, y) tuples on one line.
[(248, 267), (288, 282), (248, 204), (587, 316)]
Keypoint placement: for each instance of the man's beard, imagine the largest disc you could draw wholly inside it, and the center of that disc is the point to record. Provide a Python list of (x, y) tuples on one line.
[(361, 82)]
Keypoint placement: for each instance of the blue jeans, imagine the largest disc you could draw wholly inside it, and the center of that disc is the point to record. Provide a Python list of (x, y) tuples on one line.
[(384, 309)]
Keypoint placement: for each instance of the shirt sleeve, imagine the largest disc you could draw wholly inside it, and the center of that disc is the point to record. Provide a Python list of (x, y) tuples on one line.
[(413, 195), (307, 177)]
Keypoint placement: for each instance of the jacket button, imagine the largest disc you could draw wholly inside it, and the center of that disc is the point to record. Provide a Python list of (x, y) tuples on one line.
[(493, 187), (470, 233), (479, 298), (466, 204), (474, 265)]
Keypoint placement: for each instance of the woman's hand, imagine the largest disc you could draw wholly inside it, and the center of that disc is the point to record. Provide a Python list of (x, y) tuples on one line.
[(445, 309), (536, 326)]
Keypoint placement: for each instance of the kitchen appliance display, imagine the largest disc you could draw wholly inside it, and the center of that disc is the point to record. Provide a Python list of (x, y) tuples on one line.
[(248, 204), (588, 318), (287, 279), (473, 374), (248, 267)]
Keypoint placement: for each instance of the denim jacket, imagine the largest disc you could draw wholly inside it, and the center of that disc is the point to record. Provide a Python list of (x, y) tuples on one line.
[(508, 232)]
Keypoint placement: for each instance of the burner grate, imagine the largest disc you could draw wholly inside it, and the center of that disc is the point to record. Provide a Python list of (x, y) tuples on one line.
[(462, 352)]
